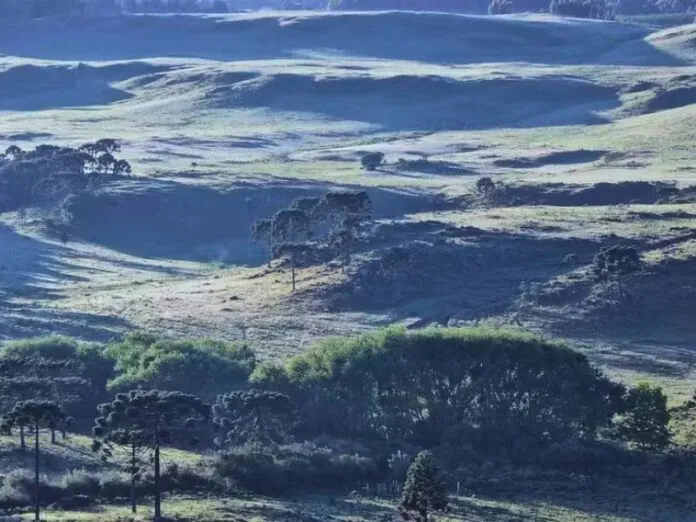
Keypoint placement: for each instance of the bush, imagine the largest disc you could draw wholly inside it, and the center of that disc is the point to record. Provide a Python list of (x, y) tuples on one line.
[(372, 160), (616, 261), (485, 187), (381, 386), (582, 8), (80, 482), (297, 467), (202, 367)]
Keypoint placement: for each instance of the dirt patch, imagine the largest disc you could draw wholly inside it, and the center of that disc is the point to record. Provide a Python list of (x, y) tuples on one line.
[(565, 157)]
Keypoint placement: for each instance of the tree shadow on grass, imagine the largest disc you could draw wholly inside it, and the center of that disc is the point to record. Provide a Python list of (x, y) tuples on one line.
[(161, 219)]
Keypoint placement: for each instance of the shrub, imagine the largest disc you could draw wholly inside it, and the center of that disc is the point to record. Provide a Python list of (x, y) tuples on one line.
[(485, 187), (646, 418), (202, 367), (372, 160), (382, 385), (582, 9), (297, 467), (80, 482), (425, 490), (616, 261)]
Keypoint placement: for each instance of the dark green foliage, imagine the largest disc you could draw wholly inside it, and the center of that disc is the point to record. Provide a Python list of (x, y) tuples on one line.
[(254, 417), (346, 212), (204, 367), (36, 414), (645, 421), (485, 187), (615, 261), (372, 160), (50, 174), (383, 385), (151, 419), (425, 490), (499, 7), (261, 232), (290, 229), (298, 468)]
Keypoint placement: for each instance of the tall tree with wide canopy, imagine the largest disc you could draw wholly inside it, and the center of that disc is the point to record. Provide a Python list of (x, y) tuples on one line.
[(158, 417)]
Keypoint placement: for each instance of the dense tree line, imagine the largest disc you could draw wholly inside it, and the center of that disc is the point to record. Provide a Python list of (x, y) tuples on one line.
[(454, 392)]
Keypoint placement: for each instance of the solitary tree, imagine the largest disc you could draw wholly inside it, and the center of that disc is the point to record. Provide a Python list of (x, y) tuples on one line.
[(131, 445), (261, 233), (485, 187), (156, 416), (646, 418), (38, 414), (425, 489), (256, 417), (372, 160), (289, 228)]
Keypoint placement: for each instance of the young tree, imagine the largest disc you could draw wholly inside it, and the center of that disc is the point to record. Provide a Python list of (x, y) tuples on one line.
[(130, 445), (347, 211), (256, 417), (289, 228), (157, 416), (646, 419), (425, 490), (261, 232), (485, 187), (38, 414)]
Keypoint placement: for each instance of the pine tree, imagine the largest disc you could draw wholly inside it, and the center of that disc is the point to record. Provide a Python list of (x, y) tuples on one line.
[(37, 414), (155, 417), (425, 490)]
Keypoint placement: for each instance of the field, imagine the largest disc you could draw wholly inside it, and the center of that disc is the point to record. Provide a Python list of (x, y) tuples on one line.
[(589, 126)]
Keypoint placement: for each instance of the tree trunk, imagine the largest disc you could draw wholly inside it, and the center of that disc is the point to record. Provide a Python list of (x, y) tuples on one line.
[(158, 495), (37, 509), (133, 506), (53, 434), (22, 439), (292, 267), (270, 250)]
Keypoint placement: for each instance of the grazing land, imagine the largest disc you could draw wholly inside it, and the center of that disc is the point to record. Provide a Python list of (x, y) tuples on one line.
[(585, 128)]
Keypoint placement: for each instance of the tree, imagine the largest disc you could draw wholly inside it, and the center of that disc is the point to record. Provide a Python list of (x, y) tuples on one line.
[(485, 187), (254, 417), (646, 418), (615, 261), (156, 416), (425, 490), (130, 444), (13, 152), (372, 160), (38, 414), (289, 228), (347, 211), (261, 231), (122, 167)]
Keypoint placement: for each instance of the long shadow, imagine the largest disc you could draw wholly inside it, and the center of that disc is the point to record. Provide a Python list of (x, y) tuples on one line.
[(427, 37), (173, 220), (29, 268), (476, 275)]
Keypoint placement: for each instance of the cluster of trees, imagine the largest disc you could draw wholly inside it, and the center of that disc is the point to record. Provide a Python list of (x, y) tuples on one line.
[(435, 389), (333, 221), (52, 174)]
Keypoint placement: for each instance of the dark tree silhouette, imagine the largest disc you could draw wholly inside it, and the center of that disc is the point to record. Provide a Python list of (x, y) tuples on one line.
[(38, 414), (425, 490), (646, 418), (261, 232), (372, 160), (346, 211), (289, 228), (156, 416), (256, 417)]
